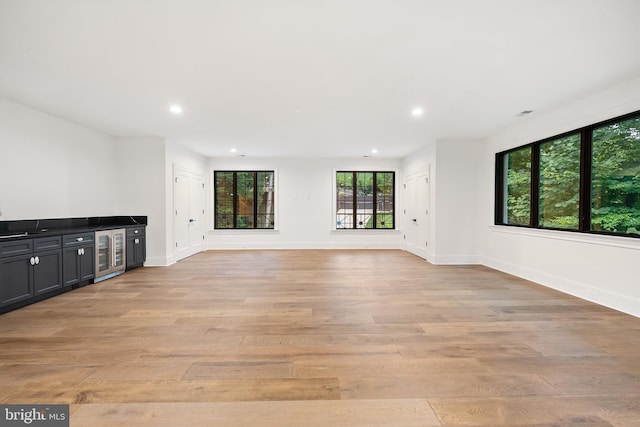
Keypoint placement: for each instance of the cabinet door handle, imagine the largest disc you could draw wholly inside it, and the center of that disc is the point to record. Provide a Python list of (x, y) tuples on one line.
[(37, 260), (79, 239), (114, 252), (136, 241), (79, 251), (32, 261), (82, 251), (135, 231)]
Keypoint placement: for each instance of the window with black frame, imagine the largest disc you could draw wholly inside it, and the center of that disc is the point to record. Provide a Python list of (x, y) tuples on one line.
[(244, 199), (587, 180), (365, 200), (517, 186)]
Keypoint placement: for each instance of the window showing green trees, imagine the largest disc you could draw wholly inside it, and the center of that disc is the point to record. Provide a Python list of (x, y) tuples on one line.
[(384, 200), (587, 180), (224, 199), (517, 198), (615, 177), (365, 200), (559, 204), (244, 199)]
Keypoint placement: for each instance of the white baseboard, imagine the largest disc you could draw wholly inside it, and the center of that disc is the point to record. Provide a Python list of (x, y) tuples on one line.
[(605, 298), (455, 259), (159, 261), (306, 245)]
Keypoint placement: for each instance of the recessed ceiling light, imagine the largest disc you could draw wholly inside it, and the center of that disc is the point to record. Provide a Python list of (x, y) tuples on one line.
[(233, 150), (417, 112), (175, 109), (374, 151)]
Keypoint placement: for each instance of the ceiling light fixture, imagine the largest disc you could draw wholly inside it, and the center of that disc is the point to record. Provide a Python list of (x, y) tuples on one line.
[(233, 150), (374, 151), (175, 109), (417, 112)]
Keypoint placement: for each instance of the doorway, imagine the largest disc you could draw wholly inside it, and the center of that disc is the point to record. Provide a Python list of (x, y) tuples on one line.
[(189, 222), (416, 213)]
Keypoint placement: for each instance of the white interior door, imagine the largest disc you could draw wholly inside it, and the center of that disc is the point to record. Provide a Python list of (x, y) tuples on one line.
[(189, 223), (416, 213)]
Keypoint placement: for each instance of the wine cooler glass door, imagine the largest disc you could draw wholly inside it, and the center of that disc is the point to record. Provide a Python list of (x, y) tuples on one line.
[(104, 253), (118, 249)]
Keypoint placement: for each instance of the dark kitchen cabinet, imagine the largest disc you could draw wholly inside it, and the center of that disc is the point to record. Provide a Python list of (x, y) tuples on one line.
[(29, 268), (78, 256), (136, 247), (16, 278), (41, 258), (47, 268)]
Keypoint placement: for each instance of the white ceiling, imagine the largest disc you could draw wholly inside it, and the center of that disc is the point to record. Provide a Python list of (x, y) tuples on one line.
[(310, 78)]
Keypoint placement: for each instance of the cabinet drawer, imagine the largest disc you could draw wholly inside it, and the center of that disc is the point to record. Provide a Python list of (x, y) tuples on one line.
[(77, 239), (17, 247), (135, 232), (47, 243)]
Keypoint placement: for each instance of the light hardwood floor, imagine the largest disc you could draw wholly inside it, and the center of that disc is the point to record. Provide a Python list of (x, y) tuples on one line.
[(323, 338)]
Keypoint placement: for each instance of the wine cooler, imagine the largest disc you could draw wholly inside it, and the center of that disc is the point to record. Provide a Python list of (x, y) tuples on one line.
[(110, 253)]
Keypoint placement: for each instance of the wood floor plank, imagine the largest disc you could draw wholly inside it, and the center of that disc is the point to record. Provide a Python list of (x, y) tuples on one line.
[(212, 390), (362, 366), (352, 413), (323, 337), (434, 385), (618, 411), (235, 369)]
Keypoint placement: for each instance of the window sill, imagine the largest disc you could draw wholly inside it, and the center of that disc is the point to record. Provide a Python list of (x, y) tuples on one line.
[(591, 239), (363, 230), (244, 231)]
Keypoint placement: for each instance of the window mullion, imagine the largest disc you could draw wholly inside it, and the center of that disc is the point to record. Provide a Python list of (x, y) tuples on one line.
[(355, 200), (235, 200), (255, 199), (375, 200), (586, 151), (534, 215)]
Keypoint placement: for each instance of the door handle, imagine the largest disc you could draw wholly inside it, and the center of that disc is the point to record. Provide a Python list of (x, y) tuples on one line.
[(192, 220)]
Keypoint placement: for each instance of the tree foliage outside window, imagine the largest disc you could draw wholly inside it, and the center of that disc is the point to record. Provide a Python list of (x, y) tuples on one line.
[(587, 181), (244, 199), (518, 194), (559, 205), (365, 200), (615, 178)]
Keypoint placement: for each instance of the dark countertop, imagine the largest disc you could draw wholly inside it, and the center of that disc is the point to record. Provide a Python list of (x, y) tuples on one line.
[(33, 228)]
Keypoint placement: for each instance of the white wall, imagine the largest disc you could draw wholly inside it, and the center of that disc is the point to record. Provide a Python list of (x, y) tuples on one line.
[(453, 173), (141, 177), (597, 268), (52, 168), (304, 209), (455, 199)]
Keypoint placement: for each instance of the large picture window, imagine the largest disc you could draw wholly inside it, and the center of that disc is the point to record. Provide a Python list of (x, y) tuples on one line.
[(615, 177), (365, 200), (587, 180), (559, 183), (244, 199)]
